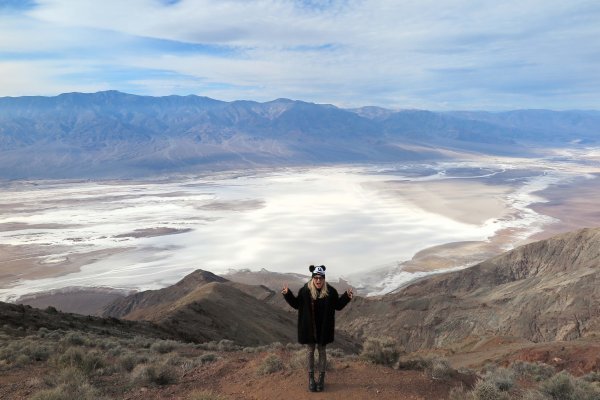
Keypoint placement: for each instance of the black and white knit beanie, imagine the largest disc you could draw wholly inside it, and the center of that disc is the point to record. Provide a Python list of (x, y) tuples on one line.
[(319, 270)]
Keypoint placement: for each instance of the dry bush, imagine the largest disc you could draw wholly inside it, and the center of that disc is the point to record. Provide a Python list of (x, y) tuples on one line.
[(459, 393), (537, 370), (257, 349), (207, 358), (75, 357), (25, 351), (129, 360), (294, 346), (440, 369), (502, 378), (157, 374), (69, 383), (298, 360), (227, 345), (223, 345), (75, 339), (83, 392), (592, 377), (336, 353), (383, 351), (164, 346), (140, 342), (414, 364), (533, 395), (563, 386), (271, 363), (485, 390)]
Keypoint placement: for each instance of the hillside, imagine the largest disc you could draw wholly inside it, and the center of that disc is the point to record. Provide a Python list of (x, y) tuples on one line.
[(519, 319), (118, 135), (203, 307), (545, 291)]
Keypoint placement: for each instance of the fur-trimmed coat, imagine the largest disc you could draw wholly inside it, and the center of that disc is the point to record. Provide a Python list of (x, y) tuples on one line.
[(322, 323)]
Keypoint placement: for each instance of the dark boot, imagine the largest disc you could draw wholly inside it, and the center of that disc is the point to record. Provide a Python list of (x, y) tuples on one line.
[(312, 386), (321, 383)]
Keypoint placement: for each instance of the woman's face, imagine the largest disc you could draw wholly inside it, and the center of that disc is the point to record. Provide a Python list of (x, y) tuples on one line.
[(318, 280)]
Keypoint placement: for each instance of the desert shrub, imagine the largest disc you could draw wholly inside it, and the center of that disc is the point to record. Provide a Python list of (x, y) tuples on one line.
[(275, 346), (211, 346), (21, 360), (502, 378), (51, 310), (67, 384), (227, 345), (35, 350), (298, 360), (592, 377), (336, 353), (414, 364), (204, 395), (74, 338), (183, 364), (484, 390), (128, 361), (270, 364), (563, 386), (108, 344), (24, 352), (533, 395), (537, 370), (164, 346), (87, 362), (257, 349), (381, 351), (55, 335), (42, 332), (440, 369), (83, 392), (141, 342), (293, 346), (207, 358), (158, 374), (459, 393)]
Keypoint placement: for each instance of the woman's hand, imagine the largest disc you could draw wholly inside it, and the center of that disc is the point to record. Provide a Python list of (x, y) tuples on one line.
[(349, 293), (285, 289)]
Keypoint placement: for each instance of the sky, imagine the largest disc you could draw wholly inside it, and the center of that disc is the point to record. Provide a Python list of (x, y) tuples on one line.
[(427, 54)]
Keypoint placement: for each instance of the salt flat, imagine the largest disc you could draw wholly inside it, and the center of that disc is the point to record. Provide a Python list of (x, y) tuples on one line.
[(364, 222)]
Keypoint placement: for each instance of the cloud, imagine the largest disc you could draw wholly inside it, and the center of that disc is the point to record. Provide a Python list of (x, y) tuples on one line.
[(455, 54)]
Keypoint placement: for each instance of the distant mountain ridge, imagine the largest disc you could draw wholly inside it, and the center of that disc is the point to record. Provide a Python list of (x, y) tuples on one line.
[(114, 134)]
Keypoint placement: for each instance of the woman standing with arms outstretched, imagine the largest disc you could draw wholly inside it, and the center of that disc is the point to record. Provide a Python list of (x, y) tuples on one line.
[(316, 303)]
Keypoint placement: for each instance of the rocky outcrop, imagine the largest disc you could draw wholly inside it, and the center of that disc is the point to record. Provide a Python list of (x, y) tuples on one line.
[(151, 298), (204, 307), (543, 291)]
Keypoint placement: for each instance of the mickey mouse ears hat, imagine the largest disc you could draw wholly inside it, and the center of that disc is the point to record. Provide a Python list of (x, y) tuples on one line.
[(319, 270)]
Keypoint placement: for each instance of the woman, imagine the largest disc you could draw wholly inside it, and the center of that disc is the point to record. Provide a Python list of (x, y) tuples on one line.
[(316, 303)]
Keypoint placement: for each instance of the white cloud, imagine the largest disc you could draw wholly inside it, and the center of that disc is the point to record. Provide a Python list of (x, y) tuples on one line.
[(455, 54)]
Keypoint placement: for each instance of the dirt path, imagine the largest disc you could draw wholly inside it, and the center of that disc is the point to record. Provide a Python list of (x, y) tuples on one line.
[(235, 378)]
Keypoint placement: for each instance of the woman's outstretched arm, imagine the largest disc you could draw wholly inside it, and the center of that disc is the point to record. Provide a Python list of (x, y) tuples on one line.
[(289, 297)]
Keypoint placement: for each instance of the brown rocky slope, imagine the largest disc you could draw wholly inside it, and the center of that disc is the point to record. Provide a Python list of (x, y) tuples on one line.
[(541, 292)]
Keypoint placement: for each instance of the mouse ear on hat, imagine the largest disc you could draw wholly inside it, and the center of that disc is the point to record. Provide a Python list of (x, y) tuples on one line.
[(311, 268), (323, 267)]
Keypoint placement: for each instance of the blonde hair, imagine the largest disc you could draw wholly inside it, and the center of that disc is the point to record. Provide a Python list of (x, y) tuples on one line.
[(314, 293)]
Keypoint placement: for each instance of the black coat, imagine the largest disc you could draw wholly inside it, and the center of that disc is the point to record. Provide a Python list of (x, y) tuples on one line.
[(323, 322)]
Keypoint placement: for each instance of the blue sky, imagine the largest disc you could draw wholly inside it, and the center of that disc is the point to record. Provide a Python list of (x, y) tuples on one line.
[(437, 55)]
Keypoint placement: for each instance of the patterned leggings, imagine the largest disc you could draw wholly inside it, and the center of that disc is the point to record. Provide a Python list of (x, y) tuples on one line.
[(310, 358)]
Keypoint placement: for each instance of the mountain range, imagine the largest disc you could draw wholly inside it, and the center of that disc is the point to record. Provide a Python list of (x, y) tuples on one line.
[(112, 134)]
